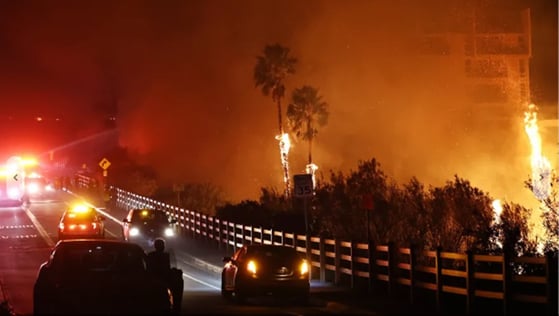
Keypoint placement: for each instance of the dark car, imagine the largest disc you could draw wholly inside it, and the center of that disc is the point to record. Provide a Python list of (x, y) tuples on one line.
[(144, 225), (257, 270), (98, 277), (81, 221)]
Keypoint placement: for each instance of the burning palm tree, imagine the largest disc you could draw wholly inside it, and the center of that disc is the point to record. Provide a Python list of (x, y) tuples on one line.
[(269, 74)]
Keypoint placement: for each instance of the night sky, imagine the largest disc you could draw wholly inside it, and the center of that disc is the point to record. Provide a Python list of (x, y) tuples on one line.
[(181, 72)]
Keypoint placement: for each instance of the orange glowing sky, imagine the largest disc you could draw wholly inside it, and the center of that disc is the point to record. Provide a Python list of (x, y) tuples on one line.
[(188, 105)]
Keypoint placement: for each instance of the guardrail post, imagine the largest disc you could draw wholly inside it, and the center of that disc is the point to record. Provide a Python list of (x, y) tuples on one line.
[(413, 261), (352, 264), (470, 289), (438, 277), (552, 275), (227, 234), (392, 266), (337, 253), (322, 250), (507, 280), (372, 265)]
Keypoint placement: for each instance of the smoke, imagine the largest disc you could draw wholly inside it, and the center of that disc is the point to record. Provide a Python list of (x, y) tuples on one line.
[(188, 105)]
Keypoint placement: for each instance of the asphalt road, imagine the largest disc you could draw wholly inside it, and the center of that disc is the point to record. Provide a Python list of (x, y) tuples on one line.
[(27, 235)]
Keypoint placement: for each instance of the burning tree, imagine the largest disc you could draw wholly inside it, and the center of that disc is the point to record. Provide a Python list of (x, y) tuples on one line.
[(305, 113), (543, 183), (269, 74)]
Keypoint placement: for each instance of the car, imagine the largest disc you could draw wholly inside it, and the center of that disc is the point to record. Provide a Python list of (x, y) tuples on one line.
[(98, 277), (257, 270), (81, 221), (38, 188), (144, 225)]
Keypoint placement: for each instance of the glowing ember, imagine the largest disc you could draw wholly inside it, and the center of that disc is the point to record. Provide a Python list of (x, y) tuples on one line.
[(311, 169), (497, 210), (285, 145)]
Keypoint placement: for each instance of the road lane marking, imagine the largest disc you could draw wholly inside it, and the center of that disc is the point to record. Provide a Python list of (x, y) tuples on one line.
[(39, 227), (200, 281), (16, 226)]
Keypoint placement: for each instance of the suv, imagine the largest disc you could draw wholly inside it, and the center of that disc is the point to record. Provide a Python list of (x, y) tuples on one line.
[(81, 221), (144, 225)]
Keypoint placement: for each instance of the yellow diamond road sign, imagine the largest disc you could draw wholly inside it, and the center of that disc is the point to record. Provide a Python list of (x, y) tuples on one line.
[(104, 163)]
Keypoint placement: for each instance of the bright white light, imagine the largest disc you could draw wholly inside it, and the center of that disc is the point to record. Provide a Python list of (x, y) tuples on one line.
[(134, 231), (33, 188), (169, 232), (14, 193)]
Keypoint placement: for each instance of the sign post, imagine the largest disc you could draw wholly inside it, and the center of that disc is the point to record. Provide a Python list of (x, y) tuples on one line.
[(304, 188), (105, 164), (368, 205), (178, 188)]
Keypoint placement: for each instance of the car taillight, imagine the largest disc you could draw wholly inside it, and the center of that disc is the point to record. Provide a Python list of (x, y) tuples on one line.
[(304, 267), (251, 266)]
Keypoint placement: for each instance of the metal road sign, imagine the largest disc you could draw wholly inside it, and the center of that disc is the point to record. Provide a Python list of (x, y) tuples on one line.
[(104, 163), (303, 185)]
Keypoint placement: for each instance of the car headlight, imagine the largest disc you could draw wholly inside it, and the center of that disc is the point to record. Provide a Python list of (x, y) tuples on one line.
[(134, 231), (33, 188), (169, 232)]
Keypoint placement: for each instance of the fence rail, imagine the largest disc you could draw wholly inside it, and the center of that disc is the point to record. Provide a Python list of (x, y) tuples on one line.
[(509, 283)]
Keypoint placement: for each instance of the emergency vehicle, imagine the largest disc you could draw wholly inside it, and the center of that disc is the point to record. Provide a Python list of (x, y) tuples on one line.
[(12, 181)]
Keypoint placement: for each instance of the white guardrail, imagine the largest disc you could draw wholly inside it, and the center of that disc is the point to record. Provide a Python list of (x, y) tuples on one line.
[(383, 267)]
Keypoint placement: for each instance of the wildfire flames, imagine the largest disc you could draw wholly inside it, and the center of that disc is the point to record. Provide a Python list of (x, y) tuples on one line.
[(285, 145), (311, 169), (497, 210), (541, 176), (541, 168), (541, 182)]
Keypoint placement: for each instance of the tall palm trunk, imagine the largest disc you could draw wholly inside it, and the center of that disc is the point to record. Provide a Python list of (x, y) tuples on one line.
[(310, 141), (284, 154), (280, 117)]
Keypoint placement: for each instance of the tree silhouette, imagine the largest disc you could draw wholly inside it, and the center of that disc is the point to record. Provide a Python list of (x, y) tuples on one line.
[(269, 74), (306, 112)]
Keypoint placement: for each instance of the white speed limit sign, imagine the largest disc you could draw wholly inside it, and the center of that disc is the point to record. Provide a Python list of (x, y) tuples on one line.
[(303, 185)]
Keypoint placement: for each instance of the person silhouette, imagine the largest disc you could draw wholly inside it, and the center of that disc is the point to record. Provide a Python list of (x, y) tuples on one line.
[(159, 260), (159, 264)]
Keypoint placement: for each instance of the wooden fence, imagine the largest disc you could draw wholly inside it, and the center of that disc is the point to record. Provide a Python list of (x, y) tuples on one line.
[(468, 282)]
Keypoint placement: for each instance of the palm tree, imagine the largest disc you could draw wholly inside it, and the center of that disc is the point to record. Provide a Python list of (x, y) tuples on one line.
[(305, 113), (269, 74)]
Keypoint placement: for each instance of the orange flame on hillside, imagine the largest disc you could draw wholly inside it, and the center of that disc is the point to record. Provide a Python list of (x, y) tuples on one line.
[(541, 177), (541, 168)]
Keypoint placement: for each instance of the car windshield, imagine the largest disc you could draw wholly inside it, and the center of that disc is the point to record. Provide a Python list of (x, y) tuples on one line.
[(79, 217), (273, 253), (150, 215), (99, 257)]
